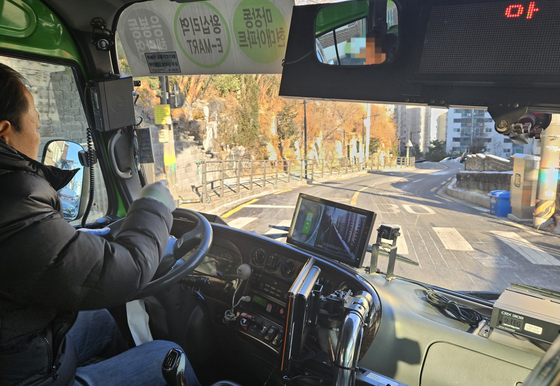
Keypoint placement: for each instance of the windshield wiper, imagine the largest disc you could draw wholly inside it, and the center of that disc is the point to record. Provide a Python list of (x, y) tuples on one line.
[(539, 290)]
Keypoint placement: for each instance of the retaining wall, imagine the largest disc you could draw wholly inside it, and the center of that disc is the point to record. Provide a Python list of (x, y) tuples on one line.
[(484, 182)]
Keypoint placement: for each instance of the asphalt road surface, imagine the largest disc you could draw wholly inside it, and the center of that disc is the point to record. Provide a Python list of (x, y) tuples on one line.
[(457, 245)]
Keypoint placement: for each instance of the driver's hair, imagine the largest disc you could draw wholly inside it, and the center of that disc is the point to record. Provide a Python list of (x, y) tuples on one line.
[(13, 103)]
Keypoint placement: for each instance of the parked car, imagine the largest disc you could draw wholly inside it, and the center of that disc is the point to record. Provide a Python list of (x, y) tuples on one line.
[(464, 157), (68, 196)]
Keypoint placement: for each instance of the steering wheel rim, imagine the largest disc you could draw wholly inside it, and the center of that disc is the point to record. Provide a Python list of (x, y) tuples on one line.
[(199, 238)]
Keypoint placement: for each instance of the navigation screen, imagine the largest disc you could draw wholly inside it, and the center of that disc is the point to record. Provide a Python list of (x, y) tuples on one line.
[(337, 231)]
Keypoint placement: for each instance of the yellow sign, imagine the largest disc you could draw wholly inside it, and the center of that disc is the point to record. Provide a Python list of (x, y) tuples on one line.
[(163, 135), (162, 115)]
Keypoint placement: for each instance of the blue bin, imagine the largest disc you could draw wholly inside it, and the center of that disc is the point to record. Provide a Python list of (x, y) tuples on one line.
[(499, 203)]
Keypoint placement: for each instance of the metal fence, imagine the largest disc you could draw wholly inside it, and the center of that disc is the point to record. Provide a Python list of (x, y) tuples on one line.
[(220, 179)]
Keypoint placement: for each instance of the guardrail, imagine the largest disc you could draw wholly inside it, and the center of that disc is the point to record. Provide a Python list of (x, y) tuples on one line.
[(220, 179)]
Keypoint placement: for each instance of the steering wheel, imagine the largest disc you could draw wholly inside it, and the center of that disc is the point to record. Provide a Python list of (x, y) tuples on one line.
[(173, 267)]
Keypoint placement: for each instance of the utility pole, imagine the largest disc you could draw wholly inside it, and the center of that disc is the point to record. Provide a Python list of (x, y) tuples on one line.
[(547, 182), (364, 137), (305, 135), (368, 132)]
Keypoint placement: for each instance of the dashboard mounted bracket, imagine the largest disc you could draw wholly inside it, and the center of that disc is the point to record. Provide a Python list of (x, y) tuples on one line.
[(518, 123), (505, 116)]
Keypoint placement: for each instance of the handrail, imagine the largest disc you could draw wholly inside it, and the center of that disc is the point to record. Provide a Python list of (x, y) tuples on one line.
[(233, 176)]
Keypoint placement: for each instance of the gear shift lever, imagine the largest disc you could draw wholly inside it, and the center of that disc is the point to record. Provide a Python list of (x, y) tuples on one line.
[(173, 368)]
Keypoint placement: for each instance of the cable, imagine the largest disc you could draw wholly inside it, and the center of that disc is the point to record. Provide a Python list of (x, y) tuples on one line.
[(461, 313), (91, 177), (270, 375), (229, 315), (304, 376)]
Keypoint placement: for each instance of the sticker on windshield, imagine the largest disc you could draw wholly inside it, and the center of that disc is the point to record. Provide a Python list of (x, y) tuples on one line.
[(202, 34), (163, 62), (208, 37), (260, 30), (145, 31)]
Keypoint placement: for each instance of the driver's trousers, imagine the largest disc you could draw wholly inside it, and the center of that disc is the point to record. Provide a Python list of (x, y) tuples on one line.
[(97, 338)]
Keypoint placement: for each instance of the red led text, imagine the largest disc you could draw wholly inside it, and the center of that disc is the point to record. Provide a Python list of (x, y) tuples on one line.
[(517, 10)]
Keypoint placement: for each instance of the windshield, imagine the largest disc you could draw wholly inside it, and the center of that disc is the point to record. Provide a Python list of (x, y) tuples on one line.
[(460, 195)]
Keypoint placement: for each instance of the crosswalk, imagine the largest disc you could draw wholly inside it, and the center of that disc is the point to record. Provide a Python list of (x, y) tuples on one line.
[(438, 240)]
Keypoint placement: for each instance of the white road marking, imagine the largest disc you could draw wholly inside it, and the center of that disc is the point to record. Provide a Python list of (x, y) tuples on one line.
[(415, 253), (241, 222), (402, 248), (442, 173), (270, 206), (481, 209), (391, 208), (452, 239), (524, 228), (423, 209), (437, 249), (529, 251)]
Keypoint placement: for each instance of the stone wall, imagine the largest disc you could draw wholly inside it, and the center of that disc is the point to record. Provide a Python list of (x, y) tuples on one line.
[(484, 182), (487, 162)]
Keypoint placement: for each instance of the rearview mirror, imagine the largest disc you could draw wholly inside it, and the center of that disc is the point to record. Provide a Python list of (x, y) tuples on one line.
[(443, 53), (64, 155), (357, 33)]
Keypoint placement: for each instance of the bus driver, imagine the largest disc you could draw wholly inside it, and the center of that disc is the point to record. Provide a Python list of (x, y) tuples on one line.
[(51, 275)]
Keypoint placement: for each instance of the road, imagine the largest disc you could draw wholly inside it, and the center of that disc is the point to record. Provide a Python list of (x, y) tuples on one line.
[(457, 246)]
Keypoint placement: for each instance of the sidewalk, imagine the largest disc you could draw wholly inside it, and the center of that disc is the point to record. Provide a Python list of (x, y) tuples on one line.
[(482, 202)]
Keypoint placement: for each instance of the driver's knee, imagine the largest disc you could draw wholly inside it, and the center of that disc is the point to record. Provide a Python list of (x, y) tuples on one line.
[(140, 365), (95, 334), (157, 350)]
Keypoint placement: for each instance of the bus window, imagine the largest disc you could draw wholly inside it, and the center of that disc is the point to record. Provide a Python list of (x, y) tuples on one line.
[(61, 113)]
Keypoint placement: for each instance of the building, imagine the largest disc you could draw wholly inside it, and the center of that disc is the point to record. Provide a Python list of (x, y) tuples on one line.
[(441, 127), (417, 126), (472, 131)]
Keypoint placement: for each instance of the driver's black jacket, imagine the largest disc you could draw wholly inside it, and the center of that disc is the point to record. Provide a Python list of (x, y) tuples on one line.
[(49, 272)]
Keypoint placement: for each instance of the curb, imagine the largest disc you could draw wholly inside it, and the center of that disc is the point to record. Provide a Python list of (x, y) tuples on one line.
[(478, 199), (466, 198), (228, 203)]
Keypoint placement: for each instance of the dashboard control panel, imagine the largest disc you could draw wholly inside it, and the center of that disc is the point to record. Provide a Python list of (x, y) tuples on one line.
[(261, 329), (270, 287)]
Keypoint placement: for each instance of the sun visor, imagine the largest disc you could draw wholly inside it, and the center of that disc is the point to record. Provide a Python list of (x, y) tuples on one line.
[(217, 37)]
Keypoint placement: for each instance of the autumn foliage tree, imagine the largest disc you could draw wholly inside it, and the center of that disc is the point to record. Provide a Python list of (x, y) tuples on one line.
[(255, 117), (286, 128), (383, 132), (331, 122)]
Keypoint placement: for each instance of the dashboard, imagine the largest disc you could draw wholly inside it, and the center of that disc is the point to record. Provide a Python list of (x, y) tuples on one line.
[(404, 337), (274, 268)]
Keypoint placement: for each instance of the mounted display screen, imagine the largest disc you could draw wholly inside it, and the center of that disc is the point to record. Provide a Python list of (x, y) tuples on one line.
[(333, 230), (506, 37), (302, 311)]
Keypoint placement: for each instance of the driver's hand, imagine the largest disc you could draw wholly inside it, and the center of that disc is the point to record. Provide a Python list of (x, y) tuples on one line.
[(158, 191)]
